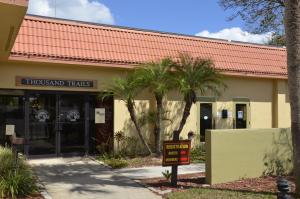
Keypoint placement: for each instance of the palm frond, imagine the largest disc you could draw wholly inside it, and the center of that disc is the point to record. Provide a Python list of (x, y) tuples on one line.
[(156, 76), (197, 75), (123, 88)]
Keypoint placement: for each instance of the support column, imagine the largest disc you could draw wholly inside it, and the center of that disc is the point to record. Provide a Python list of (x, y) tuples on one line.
[(26, 121), (86, 123)]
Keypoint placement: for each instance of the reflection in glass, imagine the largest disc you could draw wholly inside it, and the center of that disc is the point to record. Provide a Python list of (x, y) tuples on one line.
[(71, 116), (42, 135)]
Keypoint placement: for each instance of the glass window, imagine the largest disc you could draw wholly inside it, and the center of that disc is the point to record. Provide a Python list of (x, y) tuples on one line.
[(11, 112)]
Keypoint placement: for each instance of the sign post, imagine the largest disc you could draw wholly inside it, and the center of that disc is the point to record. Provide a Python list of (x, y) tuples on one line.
[(175, 153)]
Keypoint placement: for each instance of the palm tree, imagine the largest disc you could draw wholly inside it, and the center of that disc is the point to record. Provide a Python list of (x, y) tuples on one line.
[(156, 76), (292, 29), (193, 75), (126, 89)]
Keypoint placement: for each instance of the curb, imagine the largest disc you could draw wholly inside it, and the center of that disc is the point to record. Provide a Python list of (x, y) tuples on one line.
[(100, 162), (152, 189), (156, 191), (43, 191)]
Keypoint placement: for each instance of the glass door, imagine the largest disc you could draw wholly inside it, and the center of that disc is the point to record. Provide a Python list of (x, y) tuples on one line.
[(71, 123), (205, 119), (241, 116), (42, 116)]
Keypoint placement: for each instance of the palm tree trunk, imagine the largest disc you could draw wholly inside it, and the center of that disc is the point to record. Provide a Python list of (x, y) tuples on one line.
[(292, 28), (130, 107), (159, 110), (186, 113), (176, 133)]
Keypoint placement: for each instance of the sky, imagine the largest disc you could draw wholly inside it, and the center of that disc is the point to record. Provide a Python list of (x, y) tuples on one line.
[(193, 17)]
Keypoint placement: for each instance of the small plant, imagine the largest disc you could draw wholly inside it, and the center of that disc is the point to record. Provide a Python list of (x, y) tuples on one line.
[(119, 137), (275, 167), (167, 174)]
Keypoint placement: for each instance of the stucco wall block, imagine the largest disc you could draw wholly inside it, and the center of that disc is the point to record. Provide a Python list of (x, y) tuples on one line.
[(248, 153)]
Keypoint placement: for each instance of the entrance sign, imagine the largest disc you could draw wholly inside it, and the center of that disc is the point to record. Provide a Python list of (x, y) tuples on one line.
[(100, 115), (176, 152), (43, 82)]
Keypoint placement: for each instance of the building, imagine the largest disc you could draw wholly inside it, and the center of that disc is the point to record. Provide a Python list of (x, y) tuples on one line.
[(52, 71)]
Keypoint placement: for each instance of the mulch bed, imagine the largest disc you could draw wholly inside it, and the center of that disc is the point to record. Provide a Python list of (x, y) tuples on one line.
[(144, 161), (197, 180)]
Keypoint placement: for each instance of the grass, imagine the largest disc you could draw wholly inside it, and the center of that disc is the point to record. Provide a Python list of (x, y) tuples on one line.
[(218, 194)]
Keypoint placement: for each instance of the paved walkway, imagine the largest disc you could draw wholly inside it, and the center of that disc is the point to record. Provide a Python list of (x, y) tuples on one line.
[(152, 172), (77, 178)]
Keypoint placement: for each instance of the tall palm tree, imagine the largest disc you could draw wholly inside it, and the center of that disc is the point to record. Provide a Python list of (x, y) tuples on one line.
[(192, 76), (126, 89), (292, 29), (156, 76)]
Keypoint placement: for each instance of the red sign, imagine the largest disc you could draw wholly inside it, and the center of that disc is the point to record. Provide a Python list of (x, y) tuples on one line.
[(176, 152)]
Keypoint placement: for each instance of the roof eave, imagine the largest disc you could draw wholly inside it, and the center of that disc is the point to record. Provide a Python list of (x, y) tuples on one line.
[(127, 66)]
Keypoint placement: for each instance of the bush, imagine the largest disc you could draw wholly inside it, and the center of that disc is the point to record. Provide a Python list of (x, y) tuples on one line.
[(116, 163), (15, 181), (198, 154)]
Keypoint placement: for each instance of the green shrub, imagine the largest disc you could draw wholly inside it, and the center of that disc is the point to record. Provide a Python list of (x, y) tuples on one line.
[(116, 163), (15, 181), (198, 154)]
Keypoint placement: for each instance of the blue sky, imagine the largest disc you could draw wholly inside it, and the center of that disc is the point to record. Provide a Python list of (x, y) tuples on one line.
[(193, 17), (189, 17)]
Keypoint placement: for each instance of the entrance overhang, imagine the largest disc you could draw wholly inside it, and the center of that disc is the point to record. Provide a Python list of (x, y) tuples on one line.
[(12, 13)]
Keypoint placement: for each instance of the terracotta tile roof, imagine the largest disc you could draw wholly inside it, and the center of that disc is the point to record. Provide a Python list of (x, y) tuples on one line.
[(47, 39)]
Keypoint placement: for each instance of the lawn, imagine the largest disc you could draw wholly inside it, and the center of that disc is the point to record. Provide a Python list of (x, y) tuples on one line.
[(217, 194)]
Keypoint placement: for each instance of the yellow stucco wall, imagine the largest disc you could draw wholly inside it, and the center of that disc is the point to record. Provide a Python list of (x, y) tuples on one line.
[(268, 104), (235, 154), (259, 92), (283, 105), (102, 75)]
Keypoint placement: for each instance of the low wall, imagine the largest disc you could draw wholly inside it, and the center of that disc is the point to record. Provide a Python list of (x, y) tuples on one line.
[(246, 153)]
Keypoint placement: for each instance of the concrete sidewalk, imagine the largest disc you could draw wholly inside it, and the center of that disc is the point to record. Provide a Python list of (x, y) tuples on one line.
[(153, 172), (76, 178)]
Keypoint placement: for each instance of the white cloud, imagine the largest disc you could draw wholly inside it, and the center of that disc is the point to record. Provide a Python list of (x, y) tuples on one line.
[(237, 34), (82, 10)]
